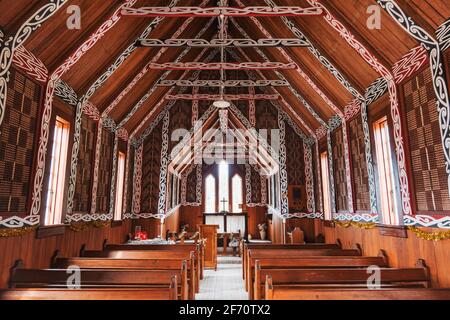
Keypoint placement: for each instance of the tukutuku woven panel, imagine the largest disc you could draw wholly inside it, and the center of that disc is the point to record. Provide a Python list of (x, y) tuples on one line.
[(82, 196), (17, 143), (427, 159), (339, 170), (359, 165)]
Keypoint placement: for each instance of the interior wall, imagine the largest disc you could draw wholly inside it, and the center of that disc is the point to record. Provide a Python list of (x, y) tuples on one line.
[(37, 253), (172, 223), (277, 230), (401, 252), (151, 226), (192, 216), (256, 216)]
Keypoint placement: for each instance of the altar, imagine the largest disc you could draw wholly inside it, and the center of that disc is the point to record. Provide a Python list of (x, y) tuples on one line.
[(230, 223), (231, 228)]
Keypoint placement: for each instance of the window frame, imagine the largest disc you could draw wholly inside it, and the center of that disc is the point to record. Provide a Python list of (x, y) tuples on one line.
[(119, 196), (326, 185), (56, 203)]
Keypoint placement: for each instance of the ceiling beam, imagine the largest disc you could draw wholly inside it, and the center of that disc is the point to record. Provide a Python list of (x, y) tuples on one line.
[(154, 86), (374, 61), (155, 58), (226, 83), (286, 105), (219, 43), (319, 55), (71, 60), (282, 77), (197, 12), (8, 48), (228, 97), (221, 66)]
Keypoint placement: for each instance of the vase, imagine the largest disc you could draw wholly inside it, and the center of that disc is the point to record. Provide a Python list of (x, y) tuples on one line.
[(263, 234)]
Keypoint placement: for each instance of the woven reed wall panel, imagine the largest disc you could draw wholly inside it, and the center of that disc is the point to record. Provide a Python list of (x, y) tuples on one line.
[(428, 164), (105, 171), (17, 143), (82, 197), (129, 199), (295, 159), (191, 186), (339, 170), (359, 164), (150, 171)]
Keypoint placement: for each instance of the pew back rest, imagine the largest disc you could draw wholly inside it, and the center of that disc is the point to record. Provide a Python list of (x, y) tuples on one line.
[(29, 278), (169, 293), (109, 263)]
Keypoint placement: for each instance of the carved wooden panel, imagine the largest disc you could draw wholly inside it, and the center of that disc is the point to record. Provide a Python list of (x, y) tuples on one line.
[(150, 171)]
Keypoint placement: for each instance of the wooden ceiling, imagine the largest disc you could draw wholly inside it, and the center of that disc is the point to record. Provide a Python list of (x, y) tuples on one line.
[(53, 43)]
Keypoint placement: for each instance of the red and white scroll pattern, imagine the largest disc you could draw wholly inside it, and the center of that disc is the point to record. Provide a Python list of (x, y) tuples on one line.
[(230, 97), (437, 70), (162, 101), (98, 146), (279, 74), (259, 11), (29, 63), (352, 109), (144, 71), (288, 107), (8, 46), (321, 132), (91, 111), (395, 112), (410, 63), (221, 66), (226, 83), (137, 181), (57, 74), (252, 107), (309, 178), (219, 43), (195, 105), (122, 133)]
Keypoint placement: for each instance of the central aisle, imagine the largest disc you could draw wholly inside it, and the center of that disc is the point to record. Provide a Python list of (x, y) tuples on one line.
[(224, 284)]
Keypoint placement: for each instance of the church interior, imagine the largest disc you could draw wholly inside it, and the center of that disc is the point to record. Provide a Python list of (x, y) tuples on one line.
[(224, 150)]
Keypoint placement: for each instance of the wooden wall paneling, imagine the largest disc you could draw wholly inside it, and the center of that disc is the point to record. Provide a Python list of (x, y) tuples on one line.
[(192, 216), (401, 252), (36, 253), (256, 215)]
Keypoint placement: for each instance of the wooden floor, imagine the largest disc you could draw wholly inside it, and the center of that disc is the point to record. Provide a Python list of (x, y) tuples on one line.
[(224, 284)]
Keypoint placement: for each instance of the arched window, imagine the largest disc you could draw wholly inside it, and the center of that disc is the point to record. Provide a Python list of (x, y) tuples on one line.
[(210, 194), (236, 183), (224, 197)]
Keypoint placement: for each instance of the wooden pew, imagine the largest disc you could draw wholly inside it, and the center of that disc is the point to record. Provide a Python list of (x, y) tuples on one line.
[(306, 262), (198, 248), (129, 264), (246, 246), (336, 278), (150, 254), (292, 252), (96, 279), (169, 293), (292, 292)]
